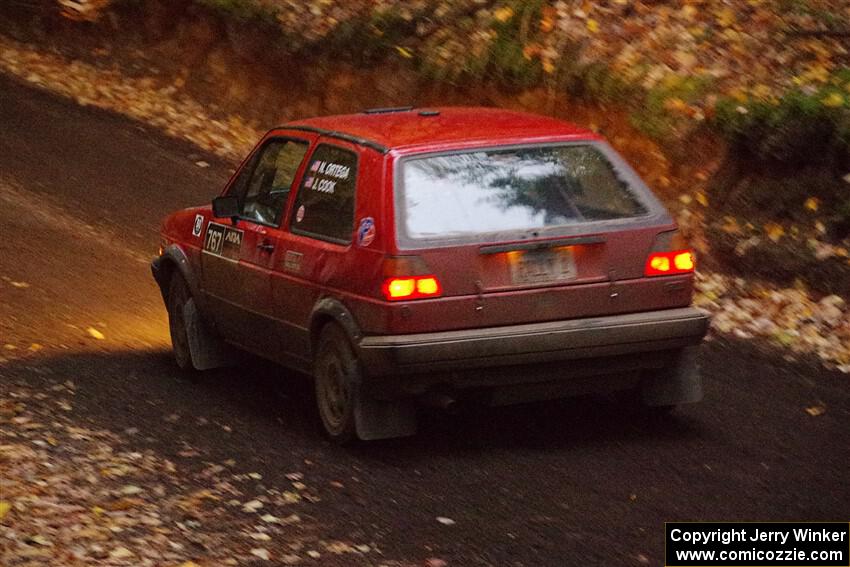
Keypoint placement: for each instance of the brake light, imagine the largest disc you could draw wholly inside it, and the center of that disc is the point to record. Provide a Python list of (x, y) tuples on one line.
[(669, 263), (428, 286), (416, 287)]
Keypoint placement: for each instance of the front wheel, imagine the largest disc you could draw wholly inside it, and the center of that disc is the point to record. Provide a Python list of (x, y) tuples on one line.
[(178, 298)]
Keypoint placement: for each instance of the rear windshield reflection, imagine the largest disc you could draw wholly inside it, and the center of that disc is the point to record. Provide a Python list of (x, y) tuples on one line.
[(504, 190)]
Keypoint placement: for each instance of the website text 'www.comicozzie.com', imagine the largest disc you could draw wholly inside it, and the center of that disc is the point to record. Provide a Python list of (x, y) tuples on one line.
[(758, 544)]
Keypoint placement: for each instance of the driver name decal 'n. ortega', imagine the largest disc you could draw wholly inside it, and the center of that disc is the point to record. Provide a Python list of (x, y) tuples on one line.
[(223, 241)]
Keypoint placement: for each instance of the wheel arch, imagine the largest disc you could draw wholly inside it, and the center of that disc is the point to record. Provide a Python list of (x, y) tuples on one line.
[(331, 310), (174, 260)]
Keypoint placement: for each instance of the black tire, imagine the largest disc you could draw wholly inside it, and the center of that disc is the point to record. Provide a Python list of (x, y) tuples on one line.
[(178, 296), (336, 374), (660, 412)]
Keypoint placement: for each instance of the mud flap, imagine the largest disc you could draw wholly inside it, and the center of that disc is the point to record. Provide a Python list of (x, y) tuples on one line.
[(678, 383), (207, 350), (379, 419)]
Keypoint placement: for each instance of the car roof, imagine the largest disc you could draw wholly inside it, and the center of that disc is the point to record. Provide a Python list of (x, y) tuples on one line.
[(434, 127)]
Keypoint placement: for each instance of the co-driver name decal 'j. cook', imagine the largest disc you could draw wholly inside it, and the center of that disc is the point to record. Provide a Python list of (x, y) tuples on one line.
[(323, 170), (223, 241)]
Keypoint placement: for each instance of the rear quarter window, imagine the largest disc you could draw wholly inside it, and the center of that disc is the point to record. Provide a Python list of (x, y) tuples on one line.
[(324, 205)]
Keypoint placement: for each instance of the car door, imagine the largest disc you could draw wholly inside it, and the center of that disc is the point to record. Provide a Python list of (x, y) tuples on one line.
[(237, 257), (320, 227)]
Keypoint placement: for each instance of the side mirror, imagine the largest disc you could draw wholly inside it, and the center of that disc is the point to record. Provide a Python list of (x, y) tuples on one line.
[(226, 206)]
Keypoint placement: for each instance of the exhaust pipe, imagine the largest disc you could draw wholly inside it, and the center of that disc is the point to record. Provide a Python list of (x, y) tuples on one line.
[(440, 400)]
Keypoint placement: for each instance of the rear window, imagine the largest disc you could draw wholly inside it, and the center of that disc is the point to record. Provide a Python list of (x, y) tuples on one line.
[(461, 195)]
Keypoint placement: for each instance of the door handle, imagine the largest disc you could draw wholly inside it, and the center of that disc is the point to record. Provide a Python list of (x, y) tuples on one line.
[(265, 246)]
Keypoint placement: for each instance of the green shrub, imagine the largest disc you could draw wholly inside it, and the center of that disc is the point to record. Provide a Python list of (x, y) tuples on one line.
[(797, 129), (656, 119)]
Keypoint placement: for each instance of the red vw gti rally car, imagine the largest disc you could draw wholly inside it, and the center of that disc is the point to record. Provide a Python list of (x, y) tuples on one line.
[(401, 255)]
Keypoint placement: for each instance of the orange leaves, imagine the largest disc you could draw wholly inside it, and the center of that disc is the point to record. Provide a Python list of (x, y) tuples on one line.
[(812, 204), (725, 16), (503, 14), (547, 19), (774, 231)]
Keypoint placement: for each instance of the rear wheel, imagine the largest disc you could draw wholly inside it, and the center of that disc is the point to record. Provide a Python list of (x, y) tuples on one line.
[(659, 411), (337, 380), (178, 298)]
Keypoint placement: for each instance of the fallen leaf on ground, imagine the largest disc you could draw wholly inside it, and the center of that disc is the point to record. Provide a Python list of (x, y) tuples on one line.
[(120, 553), (774, 231), (252, 506), (816, 410), (94, 333), (812, 203)]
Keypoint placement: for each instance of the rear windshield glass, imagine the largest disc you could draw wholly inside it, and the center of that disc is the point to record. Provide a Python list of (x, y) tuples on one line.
[(507, 190)]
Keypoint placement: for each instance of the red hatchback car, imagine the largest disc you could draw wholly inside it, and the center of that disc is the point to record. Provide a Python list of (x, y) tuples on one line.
[(403, 255)]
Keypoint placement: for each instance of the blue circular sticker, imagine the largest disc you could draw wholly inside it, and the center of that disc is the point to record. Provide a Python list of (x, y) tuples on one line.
[(366, 231)]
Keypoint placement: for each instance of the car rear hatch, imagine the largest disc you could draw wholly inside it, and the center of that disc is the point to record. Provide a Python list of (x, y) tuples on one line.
[(529, 233)]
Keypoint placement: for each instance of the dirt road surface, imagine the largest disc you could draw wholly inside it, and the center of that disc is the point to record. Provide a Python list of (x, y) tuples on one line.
[(575, 482)]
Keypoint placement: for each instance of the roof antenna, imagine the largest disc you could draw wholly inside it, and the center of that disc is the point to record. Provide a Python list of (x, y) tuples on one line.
[(388, 110)]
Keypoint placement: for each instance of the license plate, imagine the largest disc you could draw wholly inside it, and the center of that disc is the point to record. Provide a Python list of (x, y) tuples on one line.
[(550, 265)]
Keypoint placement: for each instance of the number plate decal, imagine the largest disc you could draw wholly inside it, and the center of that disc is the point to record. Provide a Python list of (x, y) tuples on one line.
[(223, 241)]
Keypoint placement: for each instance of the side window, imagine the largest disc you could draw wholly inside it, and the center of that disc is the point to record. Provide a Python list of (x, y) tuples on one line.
[(263, 198), (324, 205), (240, 182)]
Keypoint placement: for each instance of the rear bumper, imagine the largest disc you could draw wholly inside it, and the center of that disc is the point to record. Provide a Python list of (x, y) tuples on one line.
[(634, 336)]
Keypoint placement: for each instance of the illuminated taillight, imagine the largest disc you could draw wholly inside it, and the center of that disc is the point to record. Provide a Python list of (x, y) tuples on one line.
[(408, 277), (684, 261), (669, 263), (398, 288), (428, 286), (416, 287), (669, 255)]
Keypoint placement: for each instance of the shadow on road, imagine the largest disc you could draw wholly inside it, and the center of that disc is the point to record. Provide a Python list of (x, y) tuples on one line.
[(272, 407)]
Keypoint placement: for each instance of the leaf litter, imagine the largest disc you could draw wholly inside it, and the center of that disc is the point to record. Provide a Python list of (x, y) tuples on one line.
[(75, 495)]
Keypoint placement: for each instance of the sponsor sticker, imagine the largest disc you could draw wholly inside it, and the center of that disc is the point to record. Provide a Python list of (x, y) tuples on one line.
[(366, 232), (299, 214), (198, 226), (292, 261)]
